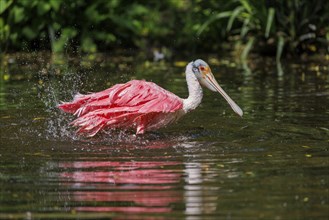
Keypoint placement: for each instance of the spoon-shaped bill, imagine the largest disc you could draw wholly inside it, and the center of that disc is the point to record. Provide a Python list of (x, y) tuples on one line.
[(212, 84)]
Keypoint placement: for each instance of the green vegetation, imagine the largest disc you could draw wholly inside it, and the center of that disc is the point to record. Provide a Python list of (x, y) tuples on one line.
[(300, 25), (268, 27)]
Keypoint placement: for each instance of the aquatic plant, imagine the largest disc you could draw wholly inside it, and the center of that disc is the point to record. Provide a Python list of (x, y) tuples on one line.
[(277, 26)]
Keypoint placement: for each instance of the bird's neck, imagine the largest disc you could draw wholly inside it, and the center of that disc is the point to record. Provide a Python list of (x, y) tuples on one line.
[(194, 90)]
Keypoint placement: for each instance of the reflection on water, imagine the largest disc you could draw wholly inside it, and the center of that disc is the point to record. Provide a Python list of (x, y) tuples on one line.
[(270, 164), (141, 184), (132, 186)]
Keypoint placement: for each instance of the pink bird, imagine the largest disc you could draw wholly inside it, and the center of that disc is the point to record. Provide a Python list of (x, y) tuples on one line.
[(141, 105)]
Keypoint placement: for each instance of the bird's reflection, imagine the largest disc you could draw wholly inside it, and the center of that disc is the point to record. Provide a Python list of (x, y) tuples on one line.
[(124, 184), (135, 184)]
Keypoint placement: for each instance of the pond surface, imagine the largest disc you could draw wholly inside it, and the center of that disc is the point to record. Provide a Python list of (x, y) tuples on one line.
[(270, 164)]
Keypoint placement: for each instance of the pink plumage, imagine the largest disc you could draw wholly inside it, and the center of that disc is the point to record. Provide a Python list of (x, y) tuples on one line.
[(142, 105), (137, 104)]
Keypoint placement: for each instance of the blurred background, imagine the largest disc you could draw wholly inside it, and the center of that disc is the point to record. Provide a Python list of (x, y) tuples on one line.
[(268, 27)]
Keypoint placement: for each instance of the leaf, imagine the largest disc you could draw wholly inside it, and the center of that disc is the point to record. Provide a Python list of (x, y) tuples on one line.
[(269, 22), (29, 33), (218, 16), (235, 13), (246, 5), (4, 4), (93, 14), (245, 27), (105, 36), (6, 77), (4, 31), (43, 8), (55, 4), (18, 14), (59, 44), (88, 45), (180, 63)]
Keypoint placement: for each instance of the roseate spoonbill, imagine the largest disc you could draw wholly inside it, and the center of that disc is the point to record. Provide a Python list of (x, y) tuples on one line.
[(141, 105)]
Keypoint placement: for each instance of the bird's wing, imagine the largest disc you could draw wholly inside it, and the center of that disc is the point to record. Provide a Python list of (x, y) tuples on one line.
[(148, 97), (130, 105), (136, 96)]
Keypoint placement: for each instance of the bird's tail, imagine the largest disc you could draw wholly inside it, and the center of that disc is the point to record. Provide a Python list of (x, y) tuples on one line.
[(80, 101)]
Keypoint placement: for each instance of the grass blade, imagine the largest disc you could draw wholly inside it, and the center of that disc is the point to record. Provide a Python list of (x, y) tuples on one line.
[(235, 13), (246, 5), (245, 27), (247, 49), (218, 16), (269, 22), (279, 48)]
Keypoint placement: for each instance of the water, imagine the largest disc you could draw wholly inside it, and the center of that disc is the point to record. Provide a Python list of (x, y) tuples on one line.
[(270, 164)]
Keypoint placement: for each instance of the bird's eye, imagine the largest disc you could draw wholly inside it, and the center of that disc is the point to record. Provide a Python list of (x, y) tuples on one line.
[(195, 70)]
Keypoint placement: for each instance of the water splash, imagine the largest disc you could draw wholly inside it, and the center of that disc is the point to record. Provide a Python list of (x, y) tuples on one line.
[(51, 92), (61, 83)]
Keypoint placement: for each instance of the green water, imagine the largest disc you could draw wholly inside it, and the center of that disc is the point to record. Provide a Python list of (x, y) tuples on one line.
[(212, 164)]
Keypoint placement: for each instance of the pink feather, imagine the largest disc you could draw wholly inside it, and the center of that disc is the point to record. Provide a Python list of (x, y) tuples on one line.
[(137, 104)]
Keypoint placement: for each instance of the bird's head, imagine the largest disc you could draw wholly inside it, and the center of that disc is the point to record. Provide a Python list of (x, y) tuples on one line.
[(204, 75)]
